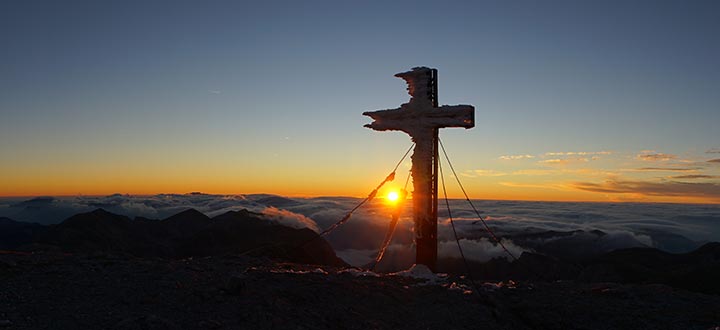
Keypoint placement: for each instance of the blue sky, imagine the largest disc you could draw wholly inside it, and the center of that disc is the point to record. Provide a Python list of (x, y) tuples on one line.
[(213, 95)]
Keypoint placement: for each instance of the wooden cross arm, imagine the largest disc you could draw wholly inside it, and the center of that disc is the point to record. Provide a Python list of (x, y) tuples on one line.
[(410, 119)]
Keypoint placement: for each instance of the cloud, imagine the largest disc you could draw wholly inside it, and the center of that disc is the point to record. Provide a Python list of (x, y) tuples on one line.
[(661, 169), (578, 153), (533, 172), (655, 157), (481, 250), (290, 219), (667, 188), (595, 155), (361, 236), (532, 186), (713, 151), (714, 160), (516, 157), (695, 176), (566, 161), (476, 173)]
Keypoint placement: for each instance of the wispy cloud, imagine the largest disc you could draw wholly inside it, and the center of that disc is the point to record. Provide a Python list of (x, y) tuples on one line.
[(290, 219), (489, 173), (479, 173), (695, 176), (516, 157), (648, 188), (714, 160), (533, 172), (660, 169), (533, 186), (654, 157), (563, 161), (578, 153), (558, 157), (713, 151)]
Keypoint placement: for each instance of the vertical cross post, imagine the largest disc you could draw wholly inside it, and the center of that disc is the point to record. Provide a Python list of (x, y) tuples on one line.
[(421, 118)]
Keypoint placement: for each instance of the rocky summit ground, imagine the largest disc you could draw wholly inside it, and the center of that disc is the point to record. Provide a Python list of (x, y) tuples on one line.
[(71, 291)]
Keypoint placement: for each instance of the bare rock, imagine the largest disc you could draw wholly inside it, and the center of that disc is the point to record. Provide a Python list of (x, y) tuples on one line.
[(236, 284), (146, 322)]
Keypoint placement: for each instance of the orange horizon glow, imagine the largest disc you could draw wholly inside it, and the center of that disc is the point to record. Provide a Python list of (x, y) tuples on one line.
[(513, 180), (390, 196)]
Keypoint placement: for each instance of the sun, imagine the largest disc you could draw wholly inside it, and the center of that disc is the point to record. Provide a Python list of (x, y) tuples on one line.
[(393, 196)]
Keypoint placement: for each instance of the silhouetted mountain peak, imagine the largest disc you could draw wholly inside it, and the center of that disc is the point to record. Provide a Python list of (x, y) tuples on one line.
[(92, 217), (97, 230), (185, 223), (712, 246), (37, 201), (101, 212), (596, 232), (276, 201), (240, 215), (709, 249), (189, 214)]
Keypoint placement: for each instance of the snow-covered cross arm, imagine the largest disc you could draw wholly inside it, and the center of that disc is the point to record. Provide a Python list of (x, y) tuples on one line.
[(420, 114), (413, 120)]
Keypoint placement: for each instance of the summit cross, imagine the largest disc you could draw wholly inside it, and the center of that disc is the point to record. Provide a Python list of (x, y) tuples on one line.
[(421, 118)]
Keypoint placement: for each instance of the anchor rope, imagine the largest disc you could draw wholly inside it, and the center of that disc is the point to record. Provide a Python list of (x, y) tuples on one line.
[(407, 180), (403, 157), (492, 234), (370, 196), (528, 267), (393, 225), (452, 224), (391, 231)]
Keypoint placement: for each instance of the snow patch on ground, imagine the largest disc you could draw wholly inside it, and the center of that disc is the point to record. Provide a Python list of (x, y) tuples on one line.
[(292, 271), (421, 272), (359, 273)]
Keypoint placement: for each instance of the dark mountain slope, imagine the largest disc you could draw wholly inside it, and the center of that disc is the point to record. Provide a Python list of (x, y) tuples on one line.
[(187, 234), (246, 232), (14, 234), (697, 270), (100, 230)]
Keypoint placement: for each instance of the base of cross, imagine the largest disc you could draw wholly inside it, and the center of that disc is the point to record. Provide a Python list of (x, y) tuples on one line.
[(425, 198)]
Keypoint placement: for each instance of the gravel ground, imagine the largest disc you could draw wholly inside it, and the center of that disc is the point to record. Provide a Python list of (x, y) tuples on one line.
[(61, 291)]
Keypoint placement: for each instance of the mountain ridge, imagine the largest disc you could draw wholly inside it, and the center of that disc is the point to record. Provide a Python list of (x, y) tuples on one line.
[(189, 233)]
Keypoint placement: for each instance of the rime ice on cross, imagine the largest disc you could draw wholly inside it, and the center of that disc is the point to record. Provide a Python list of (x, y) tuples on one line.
[(421, 118)]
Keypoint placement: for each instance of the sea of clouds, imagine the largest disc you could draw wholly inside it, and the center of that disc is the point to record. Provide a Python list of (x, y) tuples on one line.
[(523, 225)]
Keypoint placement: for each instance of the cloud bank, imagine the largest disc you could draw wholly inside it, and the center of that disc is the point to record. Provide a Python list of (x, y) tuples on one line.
[(526, 225), (666, 188)]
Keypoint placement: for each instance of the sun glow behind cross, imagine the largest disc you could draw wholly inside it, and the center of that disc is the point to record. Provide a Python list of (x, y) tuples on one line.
[(393, 196)]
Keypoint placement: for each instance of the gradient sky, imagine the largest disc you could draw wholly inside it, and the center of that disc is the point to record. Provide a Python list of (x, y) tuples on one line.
[(576, 100)]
